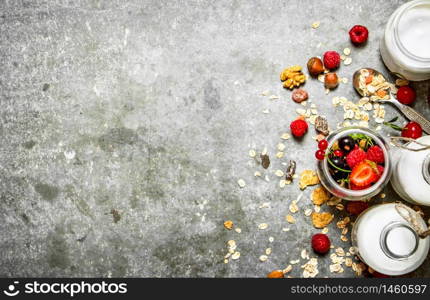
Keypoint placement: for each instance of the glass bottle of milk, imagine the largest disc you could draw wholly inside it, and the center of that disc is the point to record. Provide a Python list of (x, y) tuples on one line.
[(391, 238), (411, 172), (406, 42)]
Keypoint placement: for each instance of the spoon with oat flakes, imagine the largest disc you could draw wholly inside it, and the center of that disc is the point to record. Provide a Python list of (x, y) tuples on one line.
[(371, 83)]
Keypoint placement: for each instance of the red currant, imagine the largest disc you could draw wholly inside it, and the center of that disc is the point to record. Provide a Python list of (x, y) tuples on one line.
[(412, 130), (338, 153), (406, 95), (322, 145), (320, 154)]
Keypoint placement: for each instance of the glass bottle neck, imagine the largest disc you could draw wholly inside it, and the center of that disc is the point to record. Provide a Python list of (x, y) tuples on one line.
[(399, 241)]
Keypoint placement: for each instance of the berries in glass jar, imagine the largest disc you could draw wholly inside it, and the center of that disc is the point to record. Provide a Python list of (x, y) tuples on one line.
[(346, 143)]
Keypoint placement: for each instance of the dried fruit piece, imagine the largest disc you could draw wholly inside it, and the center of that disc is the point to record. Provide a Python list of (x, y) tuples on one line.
[(307, 178), (276, 274), (321, 125), (315, 66), (320, 196), (321, 220), (299, 95), (228, 225), (265, 160), (290, 219), (291, 170), (331, 80)]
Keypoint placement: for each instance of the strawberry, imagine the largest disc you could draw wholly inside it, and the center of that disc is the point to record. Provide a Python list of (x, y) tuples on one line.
[(375, 154), (364, 174), (355, 157), (357, 188)]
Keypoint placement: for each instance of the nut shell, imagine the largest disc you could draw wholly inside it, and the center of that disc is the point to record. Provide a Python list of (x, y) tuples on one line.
[(315, 66)]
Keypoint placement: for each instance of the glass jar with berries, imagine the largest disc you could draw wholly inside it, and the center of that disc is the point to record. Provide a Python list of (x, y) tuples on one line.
[(354, 163)]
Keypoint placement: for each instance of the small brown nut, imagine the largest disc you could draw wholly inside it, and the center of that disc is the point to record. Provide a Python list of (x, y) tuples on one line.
[(276, 274), (331, 80), (315, 66), (299, 95)]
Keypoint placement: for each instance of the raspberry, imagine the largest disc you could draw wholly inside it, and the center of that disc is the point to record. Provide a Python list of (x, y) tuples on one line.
[(355, 157), (356, 207), (331, 59), (299, 127), (375, 154), (358, 34), (406, 95), (320, 243)]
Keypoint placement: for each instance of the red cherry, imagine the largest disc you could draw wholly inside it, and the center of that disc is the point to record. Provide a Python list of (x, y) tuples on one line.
[(320, 154), (406, 95), (322, 145), (338, 153), (412, 130)]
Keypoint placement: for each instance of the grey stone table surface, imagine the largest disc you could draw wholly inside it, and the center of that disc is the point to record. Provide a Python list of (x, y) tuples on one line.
[(125, 126)]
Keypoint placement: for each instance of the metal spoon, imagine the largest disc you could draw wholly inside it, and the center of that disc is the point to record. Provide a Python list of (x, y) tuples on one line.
[(409, 112)]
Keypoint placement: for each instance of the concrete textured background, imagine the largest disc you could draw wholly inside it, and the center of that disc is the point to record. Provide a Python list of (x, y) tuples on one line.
[(150, 108)]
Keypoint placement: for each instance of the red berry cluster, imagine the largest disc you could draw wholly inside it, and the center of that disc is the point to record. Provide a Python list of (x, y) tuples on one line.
[(322, 146)]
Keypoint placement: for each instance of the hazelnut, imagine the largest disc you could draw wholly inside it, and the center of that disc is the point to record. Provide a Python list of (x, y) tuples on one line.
[(315, 66), (276, 274), (331, 80)]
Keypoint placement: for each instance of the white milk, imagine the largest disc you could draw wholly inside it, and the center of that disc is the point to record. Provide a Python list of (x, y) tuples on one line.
[(406, 42), (411, 173), (414, 30), (387, 243)]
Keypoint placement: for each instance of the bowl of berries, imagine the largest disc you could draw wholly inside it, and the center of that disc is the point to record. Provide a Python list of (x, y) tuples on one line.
[(354, 163)]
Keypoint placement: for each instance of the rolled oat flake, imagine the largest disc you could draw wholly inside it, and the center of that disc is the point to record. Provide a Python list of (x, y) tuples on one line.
[(391, 238)]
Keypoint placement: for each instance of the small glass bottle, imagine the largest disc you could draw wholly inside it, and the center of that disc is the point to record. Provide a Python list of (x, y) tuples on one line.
[(406, 42)]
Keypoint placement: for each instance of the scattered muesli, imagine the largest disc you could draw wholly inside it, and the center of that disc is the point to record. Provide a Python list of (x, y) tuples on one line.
[(321, 220), (307, 178)]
